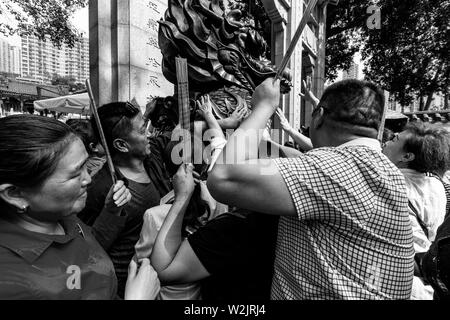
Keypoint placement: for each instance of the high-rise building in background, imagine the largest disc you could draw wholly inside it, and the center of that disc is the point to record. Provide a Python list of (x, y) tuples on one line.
[(41, 60), (4, 56), (352, 72), (15, 60), (9, 58)]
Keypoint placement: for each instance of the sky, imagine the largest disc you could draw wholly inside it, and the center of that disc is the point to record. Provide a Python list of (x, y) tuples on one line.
[(81, 20)]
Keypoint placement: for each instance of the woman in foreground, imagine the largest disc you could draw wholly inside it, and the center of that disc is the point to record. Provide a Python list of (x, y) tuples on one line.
[(45, 251)]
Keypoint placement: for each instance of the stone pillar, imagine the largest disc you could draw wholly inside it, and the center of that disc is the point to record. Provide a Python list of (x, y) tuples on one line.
[(294, 105), (278, 12), (319, 77), (101, 48), (125, 59)]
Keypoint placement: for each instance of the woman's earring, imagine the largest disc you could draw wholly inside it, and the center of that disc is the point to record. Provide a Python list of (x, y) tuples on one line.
[(22, 210)]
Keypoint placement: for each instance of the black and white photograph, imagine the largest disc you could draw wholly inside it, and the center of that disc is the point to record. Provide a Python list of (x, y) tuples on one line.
[(225, 154)]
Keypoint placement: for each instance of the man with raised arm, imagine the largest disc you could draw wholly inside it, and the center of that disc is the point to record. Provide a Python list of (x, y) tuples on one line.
[(344, 231)]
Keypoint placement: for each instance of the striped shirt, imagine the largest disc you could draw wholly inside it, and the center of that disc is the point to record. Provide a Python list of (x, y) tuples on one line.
[(351, 238)]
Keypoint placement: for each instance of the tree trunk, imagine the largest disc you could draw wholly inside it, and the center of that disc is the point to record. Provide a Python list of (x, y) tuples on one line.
[(429, 99), (430, 95), (446, 101), (420, 104)]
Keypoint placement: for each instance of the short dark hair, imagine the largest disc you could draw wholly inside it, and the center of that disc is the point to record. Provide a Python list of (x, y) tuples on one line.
[(84, 131), (430, 145), (30, 148), (354, 102), (116, 119)]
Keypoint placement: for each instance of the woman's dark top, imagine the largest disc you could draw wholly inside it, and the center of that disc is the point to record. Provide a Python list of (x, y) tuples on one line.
[(35, 266)]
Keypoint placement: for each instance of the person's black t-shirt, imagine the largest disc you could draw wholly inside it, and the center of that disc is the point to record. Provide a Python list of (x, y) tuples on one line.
[(238, 252)]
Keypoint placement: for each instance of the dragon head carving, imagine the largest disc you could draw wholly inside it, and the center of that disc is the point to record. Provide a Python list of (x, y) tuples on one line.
[(225, 57)]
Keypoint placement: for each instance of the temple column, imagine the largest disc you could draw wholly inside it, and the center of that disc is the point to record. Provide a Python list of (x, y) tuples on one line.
[(125, 59), (278, 12)]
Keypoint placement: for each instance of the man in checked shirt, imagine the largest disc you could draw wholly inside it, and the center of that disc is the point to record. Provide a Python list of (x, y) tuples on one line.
[(344, 231)]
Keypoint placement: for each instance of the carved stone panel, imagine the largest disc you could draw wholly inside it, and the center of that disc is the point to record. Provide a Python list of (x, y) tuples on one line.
[(146, 79)]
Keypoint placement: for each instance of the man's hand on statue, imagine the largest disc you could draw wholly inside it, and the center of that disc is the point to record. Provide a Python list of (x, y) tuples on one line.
[(183, 182), (267, 95), (309, 95), (283, 121)]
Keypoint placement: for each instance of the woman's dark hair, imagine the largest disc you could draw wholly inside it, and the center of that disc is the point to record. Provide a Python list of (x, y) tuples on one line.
[(116, 119), (30, 148), (430, 145), (84, 131)]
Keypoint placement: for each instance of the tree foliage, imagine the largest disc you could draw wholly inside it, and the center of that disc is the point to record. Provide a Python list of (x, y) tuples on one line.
[(409, 55), (41, 18), (344, 24), (67, 84)]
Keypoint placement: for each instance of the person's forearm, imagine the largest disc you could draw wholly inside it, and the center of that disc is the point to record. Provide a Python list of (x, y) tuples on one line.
[(227, 123), (303, 141), (214, 125), (237, 149), (169, 237), (287, 151)]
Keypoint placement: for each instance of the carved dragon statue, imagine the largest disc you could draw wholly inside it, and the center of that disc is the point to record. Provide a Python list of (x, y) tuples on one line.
[(225, 57)]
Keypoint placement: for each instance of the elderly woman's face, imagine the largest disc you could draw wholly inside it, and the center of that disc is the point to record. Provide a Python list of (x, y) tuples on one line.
[(64, 192)]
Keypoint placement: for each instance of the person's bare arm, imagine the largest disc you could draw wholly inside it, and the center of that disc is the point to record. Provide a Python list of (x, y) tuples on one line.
[(239, 178), (205, 110), (309, 95), (172, 257), (303, 141), (235, 119)]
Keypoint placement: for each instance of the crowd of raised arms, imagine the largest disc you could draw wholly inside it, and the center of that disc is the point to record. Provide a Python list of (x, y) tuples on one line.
[(337, 214)]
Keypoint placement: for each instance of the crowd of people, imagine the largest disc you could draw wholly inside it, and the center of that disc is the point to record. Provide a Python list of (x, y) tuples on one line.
[(336, 215)]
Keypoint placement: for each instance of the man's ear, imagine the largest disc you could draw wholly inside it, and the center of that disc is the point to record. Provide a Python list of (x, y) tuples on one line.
[(318, 119), (92, 148), (408, 157), (121, 145), (13, 196)]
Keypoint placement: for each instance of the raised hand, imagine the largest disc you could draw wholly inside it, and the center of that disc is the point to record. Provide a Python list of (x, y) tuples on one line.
[(183, 181), (309, 95), (205, 106), (267, 95), (283, 121)]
